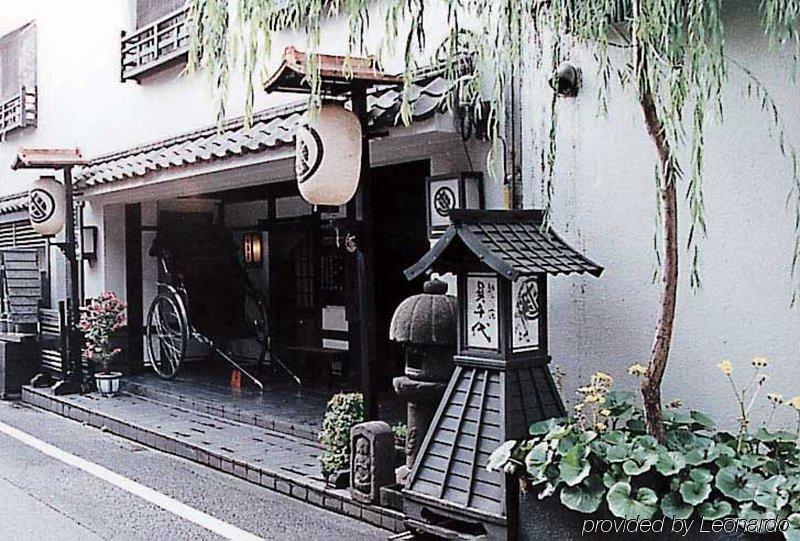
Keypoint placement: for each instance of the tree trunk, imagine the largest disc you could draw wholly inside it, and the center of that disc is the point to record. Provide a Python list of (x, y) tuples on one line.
[(668, 208)]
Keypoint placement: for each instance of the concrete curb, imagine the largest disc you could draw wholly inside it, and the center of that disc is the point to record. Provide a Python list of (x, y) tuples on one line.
[(294, 486)]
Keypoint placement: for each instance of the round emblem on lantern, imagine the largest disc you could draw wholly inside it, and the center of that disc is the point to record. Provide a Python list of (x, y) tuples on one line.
[(46, 206), (42, 205), (309, 153), (443, 201), (328, 156)]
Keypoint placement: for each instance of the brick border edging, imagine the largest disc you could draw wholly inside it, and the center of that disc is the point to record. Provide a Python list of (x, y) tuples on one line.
[(230, 413), (325, 498)]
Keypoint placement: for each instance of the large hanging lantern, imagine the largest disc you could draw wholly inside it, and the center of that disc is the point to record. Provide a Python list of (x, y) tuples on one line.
[(47, 206), (328, 156)]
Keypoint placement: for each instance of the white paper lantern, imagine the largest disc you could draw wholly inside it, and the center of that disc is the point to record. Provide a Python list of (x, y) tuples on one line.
[(328, 156), (47, 206)]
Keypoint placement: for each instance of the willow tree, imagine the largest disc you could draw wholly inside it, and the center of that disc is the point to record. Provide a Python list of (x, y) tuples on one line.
[(675, 68)]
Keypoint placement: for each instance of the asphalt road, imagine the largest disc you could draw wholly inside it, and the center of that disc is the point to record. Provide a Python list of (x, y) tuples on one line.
[(44, 498)]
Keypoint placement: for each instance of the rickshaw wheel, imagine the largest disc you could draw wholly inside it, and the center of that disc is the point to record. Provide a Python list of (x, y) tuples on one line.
[(167, 334)]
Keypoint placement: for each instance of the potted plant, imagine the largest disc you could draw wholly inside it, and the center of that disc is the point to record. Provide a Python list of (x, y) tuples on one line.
[(100, 319), (601, 464), (345, 410)]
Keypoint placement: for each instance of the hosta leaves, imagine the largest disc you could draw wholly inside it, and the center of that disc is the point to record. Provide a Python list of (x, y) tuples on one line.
[(737, 483), (769, 495), (585, 497), (781, 436), (618, 453), (500, 456), (793, 533), (694, 492), (702, 420), (574, 467), (670, 463), (673, 506), (543, 427), (681, 440), (639, 462), (714, 510), (623, 502), (704, 454), (614, 475), (537, 460)]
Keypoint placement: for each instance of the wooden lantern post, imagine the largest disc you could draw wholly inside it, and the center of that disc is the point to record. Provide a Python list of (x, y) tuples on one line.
[(501, 384), (64, 160), (340, 77)]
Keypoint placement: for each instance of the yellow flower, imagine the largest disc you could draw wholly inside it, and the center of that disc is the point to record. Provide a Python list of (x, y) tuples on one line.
[(587, 389), (762, 378), (637, 370), (775, 397), (600, 426), (759, 362), (605, 412), (794, 402), (602, 376), (726, 366), (578, 407)]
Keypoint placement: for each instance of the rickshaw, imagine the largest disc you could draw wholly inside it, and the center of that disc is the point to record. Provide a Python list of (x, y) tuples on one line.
[(205, 294)]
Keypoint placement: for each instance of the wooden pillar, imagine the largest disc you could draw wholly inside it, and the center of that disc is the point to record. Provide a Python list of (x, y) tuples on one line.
[(365, 272), (133, 285)]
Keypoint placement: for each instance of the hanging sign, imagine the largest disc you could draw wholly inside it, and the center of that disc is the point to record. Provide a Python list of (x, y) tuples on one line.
[(525, 305), (328, 156), (482, 331), (47, 206), (449, 192)]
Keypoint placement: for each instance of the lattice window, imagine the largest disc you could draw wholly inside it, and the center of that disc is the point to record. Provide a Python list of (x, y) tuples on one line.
[(161, 38), (18, 79)]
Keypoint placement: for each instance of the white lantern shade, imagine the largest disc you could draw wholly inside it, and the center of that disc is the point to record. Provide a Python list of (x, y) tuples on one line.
[(328, 156), (47, 206)]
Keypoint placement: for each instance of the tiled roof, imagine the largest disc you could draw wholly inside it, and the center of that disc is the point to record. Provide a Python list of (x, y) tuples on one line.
[(270, 129), (512, 243), (14, 202)]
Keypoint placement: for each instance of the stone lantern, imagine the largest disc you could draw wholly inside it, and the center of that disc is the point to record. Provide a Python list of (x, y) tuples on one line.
[(426, 324)]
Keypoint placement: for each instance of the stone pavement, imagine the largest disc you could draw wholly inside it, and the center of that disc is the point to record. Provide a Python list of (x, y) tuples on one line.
[(275, 460)]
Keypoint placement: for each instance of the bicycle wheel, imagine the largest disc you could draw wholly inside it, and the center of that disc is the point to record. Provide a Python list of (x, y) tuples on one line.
[(167, 334)]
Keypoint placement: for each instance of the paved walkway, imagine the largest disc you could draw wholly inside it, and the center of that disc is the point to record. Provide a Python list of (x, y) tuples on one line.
[(272, 459)]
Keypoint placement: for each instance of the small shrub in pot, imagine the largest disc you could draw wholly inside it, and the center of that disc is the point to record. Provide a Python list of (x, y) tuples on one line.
[(344, 411)]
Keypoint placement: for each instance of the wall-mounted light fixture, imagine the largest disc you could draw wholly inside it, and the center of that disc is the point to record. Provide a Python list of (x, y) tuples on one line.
[(89, 242), (252, 250), (566, 80)]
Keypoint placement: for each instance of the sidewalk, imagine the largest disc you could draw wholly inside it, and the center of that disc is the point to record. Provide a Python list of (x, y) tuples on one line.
[(274, 460)]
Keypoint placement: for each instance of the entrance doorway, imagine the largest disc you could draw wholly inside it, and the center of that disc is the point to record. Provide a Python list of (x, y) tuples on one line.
[(400, 239)]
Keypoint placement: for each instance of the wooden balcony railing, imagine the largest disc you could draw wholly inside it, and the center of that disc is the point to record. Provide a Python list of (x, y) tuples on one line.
[(18, 111), (160, 44)]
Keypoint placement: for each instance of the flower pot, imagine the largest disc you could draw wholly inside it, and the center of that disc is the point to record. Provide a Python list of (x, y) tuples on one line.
[(108, 384)]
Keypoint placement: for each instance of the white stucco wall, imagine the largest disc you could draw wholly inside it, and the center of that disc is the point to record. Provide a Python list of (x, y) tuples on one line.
[(605, 203), (604, 195)]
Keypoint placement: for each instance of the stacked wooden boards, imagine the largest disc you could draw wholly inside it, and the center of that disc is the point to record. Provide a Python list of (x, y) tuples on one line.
[(22, 287)]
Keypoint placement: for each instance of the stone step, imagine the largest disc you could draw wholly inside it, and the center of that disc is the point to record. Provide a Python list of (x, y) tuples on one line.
[(271, 459), (217, 408)]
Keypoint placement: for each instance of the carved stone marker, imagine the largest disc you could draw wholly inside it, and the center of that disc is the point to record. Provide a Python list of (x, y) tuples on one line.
[(371, 460)]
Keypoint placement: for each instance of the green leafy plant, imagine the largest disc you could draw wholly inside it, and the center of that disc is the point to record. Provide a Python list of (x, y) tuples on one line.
[(613, 464), (100, 318), (344, 411), (400, 431)]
